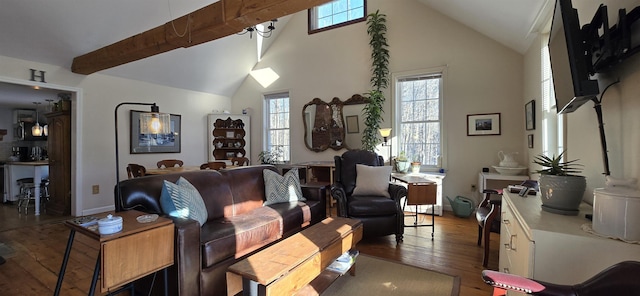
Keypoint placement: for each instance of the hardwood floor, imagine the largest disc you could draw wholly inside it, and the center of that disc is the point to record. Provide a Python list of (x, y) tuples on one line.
[(34, 247)]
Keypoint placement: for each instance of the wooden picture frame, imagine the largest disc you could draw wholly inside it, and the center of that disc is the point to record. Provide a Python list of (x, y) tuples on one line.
[(139, 144), (530, 115), (487, 124), (352, 124)]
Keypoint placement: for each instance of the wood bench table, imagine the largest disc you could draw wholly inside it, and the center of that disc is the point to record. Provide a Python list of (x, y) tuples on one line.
[(293, 263)]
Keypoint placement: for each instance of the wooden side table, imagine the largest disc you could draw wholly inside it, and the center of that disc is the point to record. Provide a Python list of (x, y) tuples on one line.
[(138, 250), (420, 191)]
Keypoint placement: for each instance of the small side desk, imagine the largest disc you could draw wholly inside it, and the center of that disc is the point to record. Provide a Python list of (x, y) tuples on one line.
[(139, 249), (420, 191)]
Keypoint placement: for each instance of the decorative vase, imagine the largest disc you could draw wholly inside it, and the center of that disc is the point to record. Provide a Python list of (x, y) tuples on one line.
[(562, 194), (415, 167), (402, 166)]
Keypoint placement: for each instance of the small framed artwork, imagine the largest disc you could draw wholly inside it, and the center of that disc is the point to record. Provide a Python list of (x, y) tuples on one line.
[(483, 124), (231, 135), (230, 155), (151, 143), (530, 140), (352, 124), (530, 115)]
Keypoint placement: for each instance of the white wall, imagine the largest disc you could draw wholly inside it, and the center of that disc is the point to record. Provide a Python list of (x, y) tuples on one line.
[(482, 77), (621, 107), (94, 152)]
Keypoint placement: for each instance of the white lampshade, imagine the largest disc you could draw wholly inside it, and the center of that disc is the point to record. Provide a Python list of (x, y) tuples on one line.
[(36, 130), (385, 132), (155, 123), (45, 130)]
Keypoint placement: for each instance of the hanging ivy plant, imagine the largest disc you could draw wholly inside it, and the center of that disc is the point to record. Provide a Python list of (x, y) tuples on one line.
[(377, 30)]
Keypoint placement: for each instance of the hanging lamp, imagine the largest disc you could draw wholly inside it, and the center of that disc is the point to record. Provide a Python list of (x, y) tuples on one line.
[(45, 130), (36, 130)]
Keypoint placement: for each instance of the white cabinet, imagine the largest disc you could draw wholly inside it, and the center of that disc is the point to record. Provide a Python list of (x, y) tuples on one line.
[(228, 136), (497, 181), (552, 247)]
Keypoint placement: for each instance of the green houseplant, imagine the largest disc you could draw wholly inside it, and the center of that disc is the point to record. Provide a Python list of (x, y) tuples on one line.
[(402, 163), (561, 188), (270, 156), (372, 111)]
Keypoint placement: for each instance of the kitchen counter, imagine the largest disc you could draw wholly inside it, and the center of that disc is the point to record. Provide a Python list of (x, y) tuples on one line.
[(15, 170), (32, 163)]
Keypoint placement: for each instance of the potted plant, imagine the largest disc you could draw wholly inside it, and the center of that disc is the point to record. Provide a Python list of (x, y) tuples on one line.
[(372, 111), (402, 163), (270, 157), (561, 189), (415, 166)]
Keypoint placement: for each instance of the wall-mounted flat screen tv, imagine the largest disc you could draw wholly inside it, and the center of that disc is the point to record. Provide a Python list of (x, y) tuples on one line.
[(570, 61)]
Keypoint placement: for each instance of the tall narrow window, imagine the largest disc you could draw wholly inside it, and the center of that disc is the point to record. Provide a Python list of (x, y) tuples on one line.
[(552, 123), (277, 125), (335, 14), (419, 101)]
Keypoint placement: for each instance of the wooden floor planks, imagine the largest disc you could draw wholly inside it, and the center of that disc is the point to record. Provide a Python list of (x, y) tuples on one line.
[(39, 245)]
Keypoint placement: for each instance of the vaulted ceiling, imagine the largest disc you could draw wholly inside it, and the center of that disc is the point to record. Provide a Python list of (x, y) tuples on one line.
[(56, 31)]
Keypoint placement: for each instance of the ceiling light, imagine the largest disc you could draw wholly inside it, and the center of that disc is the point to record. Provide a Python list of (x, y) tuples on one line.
[(259, 30)]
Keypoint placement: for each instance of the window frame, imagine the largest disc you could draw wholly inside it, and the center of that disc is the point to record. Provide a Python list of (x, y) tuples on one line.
[(311, 19), (267, 98), (441, 163)]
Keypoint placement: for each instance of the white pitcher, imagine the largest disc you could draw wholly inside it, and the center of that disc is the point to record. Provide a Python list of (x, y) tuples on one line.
[(508, 159)]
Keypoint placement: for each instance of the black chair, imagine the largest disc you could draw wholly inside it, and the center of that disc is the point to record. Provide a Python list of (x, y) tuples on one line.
[(488, 216), (619, 279), (380, 215)]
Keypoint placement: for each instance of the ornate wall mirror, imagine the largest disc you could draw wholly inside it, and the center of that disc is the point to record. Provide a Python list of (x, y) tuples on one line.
[(324, 125)]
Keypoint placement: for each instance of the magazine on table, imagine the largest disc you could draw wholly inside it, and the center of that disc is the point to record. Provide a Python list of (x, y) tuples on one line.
[(344, 262)]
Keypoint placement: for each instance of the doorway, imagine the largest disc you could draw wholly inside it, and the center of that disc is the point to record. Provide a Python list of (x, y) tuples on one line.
[(28, 89)]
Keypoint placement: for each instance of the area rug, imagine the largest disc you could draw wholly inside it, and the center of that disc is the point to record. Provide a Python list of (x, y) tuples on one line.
[(382, 277)]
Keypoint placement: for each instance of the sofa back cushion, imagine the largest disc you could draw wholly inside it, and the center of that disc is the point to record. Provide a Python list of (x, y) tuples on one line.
[(247, 186)]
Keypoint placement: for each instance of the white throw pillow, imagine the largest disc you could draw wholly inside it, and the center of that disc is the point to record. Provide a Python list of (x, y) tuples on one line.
[(279, 189), (372, 180)]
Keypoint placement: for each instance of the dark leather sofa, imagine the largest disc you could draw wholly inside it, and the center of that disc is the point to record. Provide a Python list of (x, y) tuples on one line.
[(237, 226)]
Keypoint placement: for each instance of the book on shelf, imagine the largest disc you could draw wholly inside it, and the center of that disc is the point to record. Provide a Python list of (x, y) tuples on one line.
[(344, 262)]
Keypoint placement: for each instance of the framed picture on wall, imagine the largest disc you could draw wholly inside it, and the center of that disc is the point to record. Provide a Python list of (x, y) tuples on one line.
[(352, 124), (530, 140), (530, 115), (483, 124), (149, 143)]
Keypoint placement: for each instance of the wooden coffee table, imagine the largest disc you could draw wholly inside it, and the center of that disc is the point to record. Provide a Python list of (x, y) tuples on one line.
[(292, 264)]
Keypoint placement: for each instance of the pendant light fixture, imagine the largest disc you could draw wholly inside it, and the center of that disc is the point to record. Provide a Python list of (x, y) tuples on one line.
[(36, 130), (45, 130)]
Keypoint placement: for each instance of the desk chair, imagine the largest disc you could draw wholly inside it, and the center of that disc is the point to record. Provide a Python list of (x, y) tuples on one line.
[(135, 170), (488, 216), (167, 163), (213, 165)]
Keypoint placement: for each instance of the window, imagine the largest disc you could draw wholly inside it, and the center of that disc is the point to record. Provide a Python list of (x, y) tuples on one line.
[(419, 115), (552, 123), (336, 14), (277, 125)]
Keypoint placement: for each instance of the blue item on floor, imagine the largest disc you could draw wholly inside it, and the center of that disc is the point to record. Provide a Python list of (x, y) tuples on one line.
[(462, 207)]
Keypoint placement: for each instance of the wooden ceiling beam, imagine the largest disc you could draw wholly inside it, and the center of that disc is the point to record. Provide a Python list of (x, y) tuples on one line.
[(217, 20)]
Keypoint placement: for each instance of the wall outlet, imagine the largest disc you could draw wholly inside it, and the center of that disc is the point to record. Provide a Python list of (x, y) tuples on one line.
[(95, 189), (473, 187)]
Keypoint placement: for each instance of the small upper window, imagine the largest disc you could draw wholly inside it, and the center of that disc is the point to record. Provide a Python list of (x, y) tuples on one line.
[(335, 14)]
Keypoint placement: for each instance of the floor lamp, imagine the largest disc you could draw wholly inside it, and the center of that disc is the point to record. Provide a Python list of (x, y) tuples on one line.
[(385, 133), (153, 122)]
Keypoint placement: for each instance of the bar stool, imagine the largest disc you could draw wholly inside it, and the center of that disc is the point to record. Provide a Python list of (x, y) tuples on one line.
[(26, 192)]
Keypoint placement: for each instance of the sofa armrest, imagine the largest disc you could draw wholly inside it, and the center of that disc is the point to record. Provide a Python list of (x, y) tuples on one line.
[(314, 192), (397, 192), (187, 256)]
